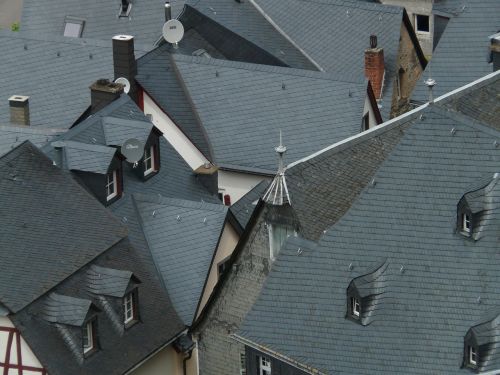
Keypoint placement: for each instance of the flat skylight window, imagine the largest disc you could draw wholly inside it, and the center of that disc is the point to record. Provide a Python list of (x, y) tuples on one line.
[(73, 27)]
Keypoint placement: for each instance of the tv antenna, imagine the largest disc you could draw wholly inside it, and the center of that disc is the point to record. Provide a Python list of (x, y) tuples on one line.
[(173, 31)]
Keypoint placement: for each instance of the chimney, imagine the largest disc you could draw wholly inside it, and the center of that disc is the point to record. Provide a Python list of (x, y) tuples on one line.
[(124, 63), (374, 66), (103, 92), (495, 51), (19, 110), (168, 11)]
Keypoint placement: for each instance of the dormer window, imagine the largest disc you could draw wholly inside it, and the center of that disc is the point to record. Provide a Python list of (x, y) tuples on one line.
[(466, 223), (130, 313), (278, 234), (355, 307), (111, 185), (472, 355), (264, 366), (89, 336), (149, 160)]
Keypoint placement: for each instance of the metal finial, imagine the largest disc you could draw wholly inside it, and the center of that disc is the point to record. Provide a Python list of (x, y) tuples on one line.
[(430, 83), (277, 194)]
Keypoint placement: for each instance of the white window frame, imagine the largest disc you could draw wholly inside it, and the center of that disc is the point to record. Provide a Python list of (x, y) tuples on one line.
[(88, 335), (466, 223), (149, 157), (472, 355), (128, 307), (113, 182), (355, 307), (243, 364), (264, 365), (415, 19)]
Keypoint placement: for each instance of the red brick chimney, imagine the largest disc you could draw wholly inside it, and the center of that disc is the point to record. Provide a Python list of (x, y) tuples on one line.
[(374, 66)]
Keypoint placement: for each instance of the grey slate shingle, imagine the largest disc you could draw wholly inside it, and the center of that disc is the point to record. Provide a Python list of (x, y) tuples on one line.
[(434, 275), (462, 53), (46, 250), (87, 157), (242, 107), (12, 136), (66, 309), (118, 130), (108, 281), (183, 236)]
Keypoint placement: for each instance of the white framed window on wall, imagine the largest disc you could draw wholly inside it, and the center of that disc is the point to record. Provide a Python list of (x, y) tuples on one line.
[(278, 234), (264, 366), (422, 24), (149, 160), (111, 185)]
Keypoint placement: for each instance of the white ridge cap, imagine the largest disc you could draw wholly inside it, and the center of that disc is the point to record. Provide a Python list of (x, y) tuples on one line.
[(390, 122)]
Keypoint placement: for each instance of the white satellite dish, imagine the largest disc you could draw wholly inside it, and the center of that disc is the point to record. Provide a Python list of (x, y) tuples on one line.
[(133, 150), (173, 31), (125, 82)]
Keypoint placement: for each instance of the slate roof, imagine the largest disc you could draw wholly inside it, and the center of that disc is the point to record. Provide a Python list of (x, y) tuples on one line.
[(462, 54), (243, 19), (36, 65), (66, 310), (109, 281), (101, 18), (244, 207), (37, 253), (86, 157), (183, 237), (439, 283), (12, 136), (242, 107), (118, 130)]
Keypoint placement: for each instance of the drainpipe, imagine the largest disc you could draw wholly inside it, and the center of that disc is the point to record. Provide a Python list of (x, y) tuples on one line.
[(185, 360)]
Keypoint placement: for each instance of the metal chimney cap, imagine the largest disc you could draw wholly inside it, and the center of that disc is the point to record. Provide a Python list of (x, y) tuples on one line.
[(123, 37), (429, 82), (19, 98)]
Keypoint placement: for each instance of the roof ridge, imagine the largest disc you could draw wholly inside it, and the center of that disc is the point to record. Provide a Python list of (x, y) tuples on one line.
[(330, 76), (365, 5), (179, 202)]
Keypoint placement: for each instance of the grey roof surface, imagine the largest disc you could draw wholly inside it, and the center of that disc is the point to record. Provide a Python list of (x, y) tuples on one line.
[(157, 76), (12, 136), (335, 33), (58, 346), (87, 157), (244, 207), (462, 54), (101, 18), (66, 309), (38, 253), (183, 237), (118, 130), (37, 65), (108, 281), (434, 277), (242, 107), (245, 20)]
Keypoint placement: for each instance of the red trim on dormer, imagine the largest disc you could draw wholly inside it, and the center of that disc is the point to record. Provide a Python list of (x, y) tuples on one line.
[(140, 98)]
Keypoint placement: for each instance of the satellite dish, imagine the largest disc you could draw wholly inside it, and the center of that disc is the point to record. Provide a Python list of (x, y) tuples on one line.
[(125, 82), (173, 31), (133, 150)]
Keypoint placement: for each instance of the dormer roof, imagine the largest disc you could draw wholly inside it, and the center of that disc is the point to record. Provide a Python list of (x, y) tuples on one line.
[(118, 130), (86, 157), (109, 282), (66, 310)]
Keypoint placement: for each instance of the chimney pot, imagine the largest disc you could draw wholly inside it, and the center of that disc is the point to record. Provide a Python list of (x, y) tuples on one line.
[(374, 66), (124, 62), (19, 110), (495, 51), (103, 92), (168, 11)]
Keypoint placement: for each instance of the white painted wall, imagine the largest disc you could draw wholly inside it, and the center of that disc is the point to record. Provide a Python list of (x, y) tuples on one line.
[(229, 239), (28, 357), (237, 184), (174, 135), (166, 362), (371, 113)]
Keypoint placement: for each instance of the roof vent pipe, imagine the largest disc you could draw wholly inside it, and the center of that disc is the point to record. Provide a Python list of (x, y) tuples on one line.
[(168, 11), (19, 110)]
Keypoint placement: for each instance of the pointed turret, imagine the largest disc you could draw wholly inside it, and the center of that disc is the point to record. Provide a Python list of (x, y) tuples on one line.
[(277, 194)]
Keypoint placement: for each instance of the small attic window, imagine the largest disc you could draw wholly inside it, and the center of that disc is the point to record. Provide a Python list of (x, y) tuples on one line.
[(355, 308), (130, 308), (73, 27), (150, 160), (472, 357), (111, 185), (422, 24), (125, 8), (466, 223), (89, 337)]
